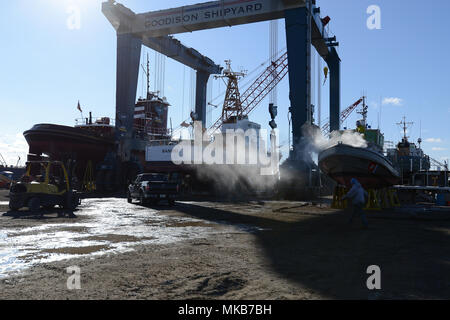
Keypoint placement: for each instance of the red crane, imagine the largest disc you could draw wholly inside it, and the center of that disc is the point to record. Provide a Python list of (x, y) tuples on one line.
[(344, 115), (262, 86)]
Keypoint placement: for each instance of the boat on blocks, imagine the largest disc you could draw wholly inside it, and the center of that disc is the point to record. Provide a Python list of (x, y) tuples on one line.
[(368, 164)]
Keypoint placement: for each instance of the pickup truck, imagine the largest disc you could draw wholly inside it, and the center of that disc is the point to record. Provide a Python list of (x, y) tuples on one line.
[(153, 187)]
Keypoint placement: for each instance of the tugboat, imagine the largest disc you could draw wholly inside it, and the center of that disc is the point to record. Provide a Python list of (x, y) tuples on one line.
[(92, 143), (368, 165)]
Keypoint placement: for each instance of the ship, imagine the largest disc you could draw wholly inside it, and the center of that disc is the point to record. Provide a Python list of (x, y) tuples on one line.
[(240, 171), (96, 148), (92, 143), (92, 146), (368, 164), (408, 157)]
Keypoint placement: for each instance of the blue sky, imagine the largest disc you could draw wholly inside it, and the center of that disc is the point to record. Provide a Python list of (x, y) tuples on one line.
[(46, 67)]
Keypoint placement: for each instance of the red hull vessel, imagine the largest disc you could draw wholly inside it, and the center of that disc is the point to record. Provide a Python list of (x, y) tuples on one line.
[(63, 142), (93, 145)]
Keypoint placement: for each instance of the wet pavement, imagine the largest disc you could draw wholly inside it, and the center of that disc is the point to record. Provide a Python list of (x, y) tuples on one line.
[(223, 249), (104, 226)]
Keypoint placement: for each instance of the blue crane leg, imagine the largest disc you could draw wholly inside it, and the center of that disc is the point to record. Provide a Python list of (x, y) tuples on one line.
[(297, 37), (128, 59), (334, 63), (200, 97)]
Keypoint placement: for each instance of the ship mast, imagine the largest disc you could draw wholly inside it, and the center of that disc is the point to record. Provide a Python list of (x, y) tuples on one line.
[(419, 141), (232, 103), (364, 111), (405, 125), (148, 77)]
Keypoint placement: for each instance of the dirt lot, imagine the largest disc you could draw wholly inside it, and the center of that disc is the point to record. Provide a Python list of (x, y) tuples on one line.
[(223, 250)]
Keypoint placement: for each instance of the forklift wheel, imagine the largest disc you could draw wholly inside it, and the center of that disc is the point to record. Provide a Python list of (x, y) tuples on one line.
[(34, 205), (14, 206)]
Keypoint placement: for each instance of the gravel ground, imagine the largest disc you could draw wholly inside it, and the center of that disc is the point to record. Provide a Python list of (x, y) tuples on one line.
[(223, 250)]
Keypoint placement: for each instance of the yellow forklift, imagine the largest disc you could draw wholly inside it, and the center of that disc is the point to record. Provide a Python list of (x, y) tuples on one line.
[(46, 184)]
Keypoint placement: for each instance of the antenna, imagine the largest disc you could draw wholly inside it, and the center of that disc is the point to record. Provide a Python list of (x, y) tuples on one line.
[(148, 75), (420, 137), (405, 125), (364, 110)]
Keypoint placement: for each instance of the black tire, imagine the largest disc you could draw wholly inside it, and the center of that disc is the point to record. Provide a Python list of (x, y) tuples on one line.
[(142, 200), (72, 203), (75, 201), (129, 198), (14, 206), (34, 204)]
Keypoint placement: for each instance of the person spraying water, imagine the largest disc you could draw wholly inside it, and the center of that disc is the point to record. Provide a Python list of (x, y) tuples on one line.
[(358, 196)]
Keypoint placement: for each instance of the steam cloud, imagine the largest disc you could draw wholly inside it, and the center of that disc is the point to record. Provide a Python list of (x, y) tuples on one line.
[(236, 179), (314, 141), (319, 143), (247, 177), (256, 175)]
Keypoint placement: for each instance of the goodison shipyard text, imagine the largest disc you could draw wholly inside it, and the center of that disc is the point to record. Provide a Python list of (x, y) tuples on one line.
[(206, 15)]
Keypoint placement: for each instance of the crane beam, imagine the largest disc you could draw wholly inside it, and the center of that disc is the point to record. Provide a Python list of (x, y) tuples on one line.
[(123, 20), (209, 15)]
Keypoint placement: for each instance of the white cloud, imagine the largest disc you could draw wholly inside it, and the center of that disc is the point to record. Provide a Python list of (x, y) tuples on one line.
[(393, 101), (438, 149), (12, 147), (434, 140)]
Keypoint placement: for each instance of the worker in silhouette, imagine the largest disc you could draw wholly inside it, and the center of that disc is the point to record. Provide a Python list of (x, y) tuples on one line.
[(358, 196)]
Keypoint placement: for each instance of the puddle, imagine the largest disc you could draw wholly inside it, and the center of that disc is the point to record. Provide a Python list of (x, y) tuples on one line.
[(115, 238), (104, 226), (77, 250)]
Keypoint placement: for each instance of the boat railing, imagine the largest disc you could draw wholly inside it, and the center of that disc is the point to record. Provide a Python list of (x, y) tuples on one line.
[(152, 130), (164, 142), (101, 121)]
